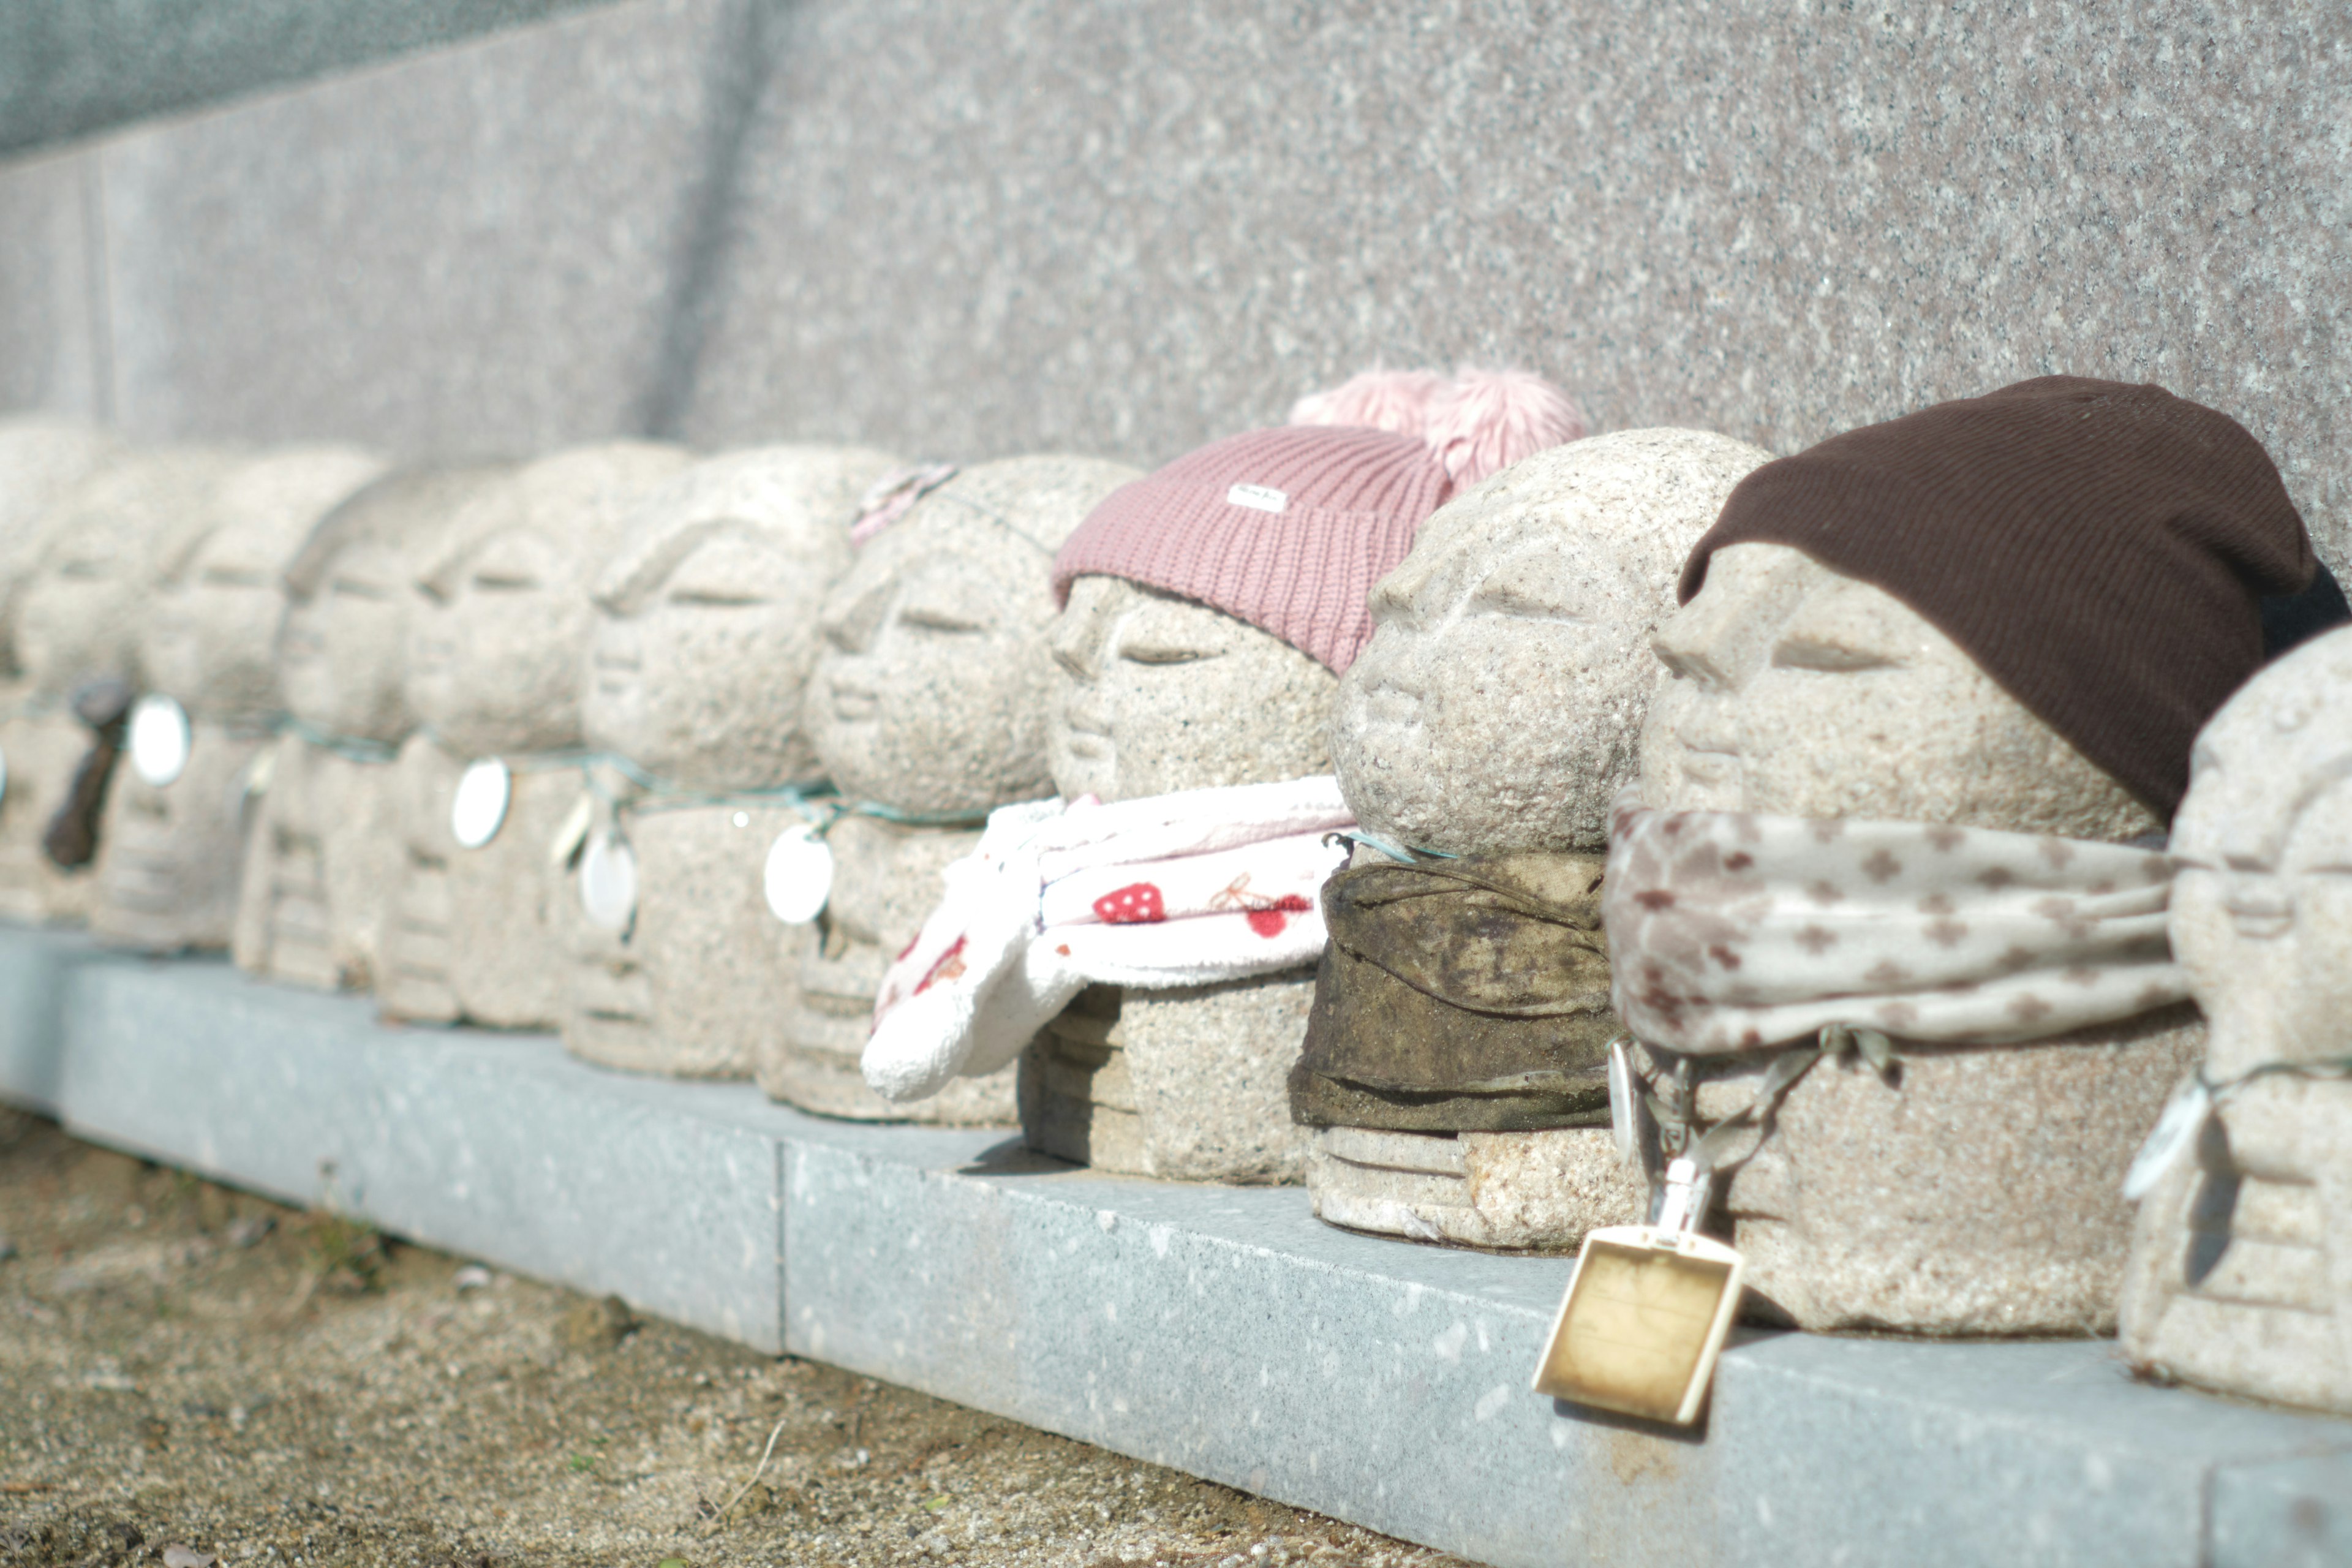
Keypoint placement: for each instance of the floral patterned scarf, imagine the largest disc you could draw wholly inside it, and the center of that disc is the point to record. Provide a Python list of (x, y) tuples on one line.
[(1734, 932)]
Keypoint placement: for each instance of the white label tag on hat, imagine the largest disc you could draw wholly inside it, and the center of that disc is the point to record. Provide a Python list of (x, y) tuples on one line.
[(2176, 1132), (158, 739), (479, 807), (1258, 497), (608, 881), (798, 877)]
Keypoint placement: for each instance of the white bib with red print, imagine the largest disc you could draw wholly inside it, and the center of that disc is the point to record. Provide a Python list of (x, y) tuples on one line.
[(1175, 889)]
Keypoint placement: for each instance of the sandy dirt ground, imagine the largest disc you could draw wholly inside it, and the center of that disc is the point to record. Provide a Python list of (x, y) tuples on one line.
[(190, 1374)]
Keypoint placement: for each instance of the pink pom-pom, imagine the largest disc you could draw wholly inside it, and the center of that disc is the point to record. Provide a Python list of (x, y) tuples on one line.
[(1396, 401), (1482, 421)]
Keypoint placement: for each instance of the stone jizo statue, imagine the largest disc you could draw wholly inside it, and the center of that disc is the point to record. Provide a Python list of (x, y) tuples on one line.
[(931, 706), (2240, 1273), (480, 930), (705, 634), (328, 840), (175, 824), (1897, 830), (1494, 715)]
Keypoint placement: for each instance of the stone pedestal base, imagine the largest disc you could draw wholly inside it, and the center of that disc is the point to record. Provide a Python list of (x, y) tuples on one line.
[(1982, 1195), (1505, 1192), (169, 858), (41, 753), (2241, 1272), (1188, 1084)]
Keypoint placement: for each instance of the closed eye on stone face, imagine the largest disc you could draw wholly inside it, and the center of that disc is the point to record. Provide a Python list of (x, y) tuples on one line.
[(86, 569), (941, 619), (713, 598), (234, 577), (1822, 654), (352, 588), (503, 582), (1155, 650), (1519, 599)]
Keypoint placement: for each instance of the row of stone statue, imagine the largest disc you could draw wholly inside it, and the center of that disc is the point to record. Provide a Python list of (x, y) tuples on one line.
[(1422, 800)]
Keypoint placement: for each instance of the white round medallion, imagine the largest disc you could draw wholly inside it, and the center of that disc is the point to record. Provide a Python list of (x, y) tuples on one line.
[(481, 806), (798, 877), (158, 739), (608, 881)]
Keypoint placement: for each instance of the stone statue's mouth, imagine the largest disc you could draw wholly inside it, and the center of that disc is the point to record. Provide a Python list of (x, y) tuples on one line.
[(1087, 744), (852, 704)]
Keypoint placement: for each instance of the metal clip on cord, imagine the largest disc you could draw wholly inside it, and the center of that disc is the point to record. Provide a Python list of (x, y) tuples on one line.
[(1694, 1164)]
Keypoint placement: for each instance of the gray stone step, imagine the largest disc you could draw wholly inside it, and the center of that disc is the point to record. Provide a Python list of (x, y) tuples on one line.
[(1219, 1331)]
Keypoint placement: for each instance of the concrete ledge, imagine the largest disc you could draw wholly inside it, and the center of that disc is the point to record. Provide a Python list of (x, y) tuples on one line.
[(1221, 1332)]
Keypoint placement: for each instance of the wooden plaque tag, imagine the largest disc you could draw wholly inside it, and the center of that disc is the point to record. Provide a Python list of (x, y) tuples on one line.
[(1643, 1322)]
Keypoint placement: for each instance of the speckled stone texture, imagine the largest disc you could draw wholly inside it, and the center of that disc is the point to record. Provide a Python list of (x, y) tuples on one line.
[(52, 321), (1158, 694), (1985, 1193), (480, 936), (886, 881), (932, 699), (79, 615), (1775, 222), (324, 845), (2240, 1273), (1497, 707), (491, 249), (706, 632), (1516, 1191), (1188, 1084), (170, 855), (695, 985)]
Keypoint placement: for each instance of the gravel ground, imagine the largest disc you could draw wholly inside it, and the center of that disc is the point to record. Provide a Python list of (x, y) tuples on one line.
[(188, 1373)]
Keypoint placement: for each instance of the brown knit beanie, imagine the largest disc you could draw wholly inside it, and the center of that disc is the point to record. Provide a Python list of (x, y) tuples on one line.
[(2101, 550)]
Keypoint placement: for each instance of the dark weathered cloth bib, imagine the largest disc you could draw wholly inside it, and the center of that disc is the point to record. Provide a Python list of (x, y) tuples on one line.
[(1460, 996)]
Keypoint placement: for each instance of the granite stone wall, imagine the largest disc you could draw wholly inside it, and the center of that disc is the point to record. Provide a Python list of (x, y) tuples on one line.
[(1125, 226)]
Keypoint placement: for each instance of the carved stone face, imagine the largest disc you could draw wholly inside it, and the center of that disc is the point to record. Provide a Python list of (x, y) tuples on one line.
[(1160, 694), (41, 460), (936, 684), (708, 622), (2261, 910), (85, 606), (494, 666), (1500, 701), (211, 641), (340, 650), (1796, 691)]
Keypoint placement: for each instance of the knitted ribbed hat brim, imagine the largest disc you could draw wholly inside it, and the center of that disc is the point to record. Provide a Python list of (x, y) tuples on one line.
[(1351, 500), (2101, 550)]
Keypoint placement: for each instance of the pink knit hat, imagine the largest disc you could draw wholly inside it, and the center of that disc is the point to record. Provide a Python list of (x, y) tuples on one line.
[(1289, 529)]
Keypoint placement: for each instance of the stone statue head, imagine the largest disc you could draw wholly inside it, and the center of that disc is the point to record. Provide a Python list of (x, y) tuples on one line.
[(934, 689), (352, 591), (494, 665), (1799, 691), (2261, 907), (707, 624), (81, 611), (41, 459), (210, 642), (1499, 703)]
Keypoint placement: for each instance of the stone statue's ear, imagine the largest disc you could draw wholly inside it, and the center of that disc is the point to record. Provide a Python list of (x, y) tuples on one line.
[(70, 840)]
